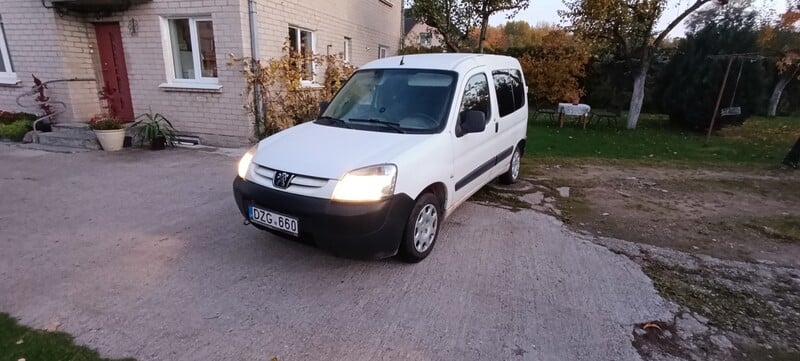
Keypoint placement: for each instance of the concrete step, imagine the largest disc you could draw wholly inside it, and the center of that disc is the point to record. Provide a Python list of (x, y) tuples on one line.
[(72, 128), (53, 148), (84, 141)]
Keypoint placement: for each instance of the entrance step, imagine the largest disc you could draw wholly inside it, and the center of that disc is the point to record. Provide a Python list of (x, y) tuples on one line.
[(73, 128), (72, 135), (53, 148)]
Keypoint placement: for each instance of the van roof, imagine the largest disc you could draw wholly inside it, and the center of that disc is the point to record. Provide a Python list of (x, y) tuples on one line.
[(459, 62)]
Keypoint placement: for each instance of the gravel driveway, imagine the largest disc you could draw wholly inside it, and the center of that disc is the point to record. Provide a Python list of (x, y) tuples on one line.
[(144, 254)]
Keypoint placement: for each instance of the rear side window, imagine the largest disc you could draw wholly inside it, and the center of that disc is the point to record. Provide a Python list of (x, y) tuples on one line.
[(509, 89), (476, 95)]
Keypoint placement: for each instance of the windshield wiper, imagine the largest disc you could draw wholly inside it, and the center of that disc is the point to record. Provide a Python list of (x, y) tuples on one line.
[(333, 120), (385, 124)]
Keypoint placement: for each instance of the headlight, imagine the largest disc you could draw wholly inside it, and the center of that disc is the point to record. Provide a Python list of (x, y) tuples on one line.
[(247, 159), (367, 184)]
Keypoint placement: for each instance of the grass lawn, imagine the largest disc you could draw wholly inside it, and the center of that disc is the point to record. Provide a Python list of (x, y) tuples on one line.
[(20, 342), (759, 141)]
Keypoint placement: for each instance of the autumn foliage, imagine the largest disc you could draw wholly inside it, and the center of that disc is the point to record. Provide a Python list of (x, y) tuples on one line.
[(288, 97), (553, 69)]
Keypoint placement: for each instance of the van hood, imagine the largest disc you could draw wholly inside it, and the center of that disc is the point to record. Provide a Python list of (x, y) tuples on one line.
[(329, 152)]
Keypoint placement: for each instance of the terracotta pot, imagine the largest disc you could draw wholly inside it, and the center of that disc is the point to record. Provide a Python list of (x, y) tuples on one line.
[(111, 140)]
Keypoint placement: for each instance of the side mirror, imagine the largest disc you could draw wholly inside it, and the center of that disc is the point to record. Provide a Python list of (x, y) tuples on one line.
[(471, 121), (323, 106)]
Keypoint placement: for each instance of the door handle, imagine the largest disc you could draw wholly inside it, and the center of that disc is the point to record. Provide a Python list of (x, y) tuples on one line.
[(496, 127)]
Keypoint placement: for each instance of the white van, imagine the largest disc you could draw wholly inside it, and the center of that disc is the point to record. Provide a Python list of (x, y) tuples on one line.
[(404, 142)]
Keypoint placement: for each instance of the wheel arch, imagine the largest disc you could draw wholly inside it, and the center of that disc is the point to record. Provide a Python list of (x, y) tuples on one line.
[(439, 190)]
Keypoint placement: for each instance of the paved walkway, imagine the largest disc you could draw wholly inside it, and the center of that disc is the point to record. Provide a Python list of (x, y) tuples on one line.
[(144, 254)]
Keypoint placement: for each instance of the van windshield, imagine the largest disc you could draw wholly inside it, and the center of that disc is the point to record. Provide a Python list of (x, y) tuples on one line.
[(393, 100)]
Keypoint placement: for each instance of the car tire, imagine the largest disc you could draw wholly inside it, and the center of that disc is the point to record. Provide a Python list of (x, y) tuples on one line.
[(422, 229), (512, 174)]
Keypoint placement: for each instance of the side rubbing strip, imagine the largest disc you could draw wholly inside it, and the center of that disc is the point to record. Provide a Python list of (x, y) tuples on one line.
[(485, 167), (504, 154)]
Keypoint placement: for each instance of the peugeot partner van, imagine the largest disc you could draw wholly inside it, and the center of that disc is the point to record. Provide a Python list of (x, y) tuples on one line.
[(403, 143)]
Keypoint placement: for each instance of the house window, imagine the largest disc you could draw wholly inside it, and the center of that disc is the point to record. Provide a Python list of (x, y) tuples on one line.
[(426, 39), (348, 49), (302, 41), (7, 75), (382, 50), (191, 50)]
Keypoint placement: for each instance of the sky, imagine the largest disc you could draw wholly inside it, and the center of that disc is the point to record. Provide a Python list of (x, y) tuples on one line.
[(547, 11)]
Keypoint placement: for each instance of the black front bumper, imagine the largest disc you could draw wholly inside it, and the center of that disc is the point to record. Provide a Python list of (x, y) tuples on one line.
[(369, 230)]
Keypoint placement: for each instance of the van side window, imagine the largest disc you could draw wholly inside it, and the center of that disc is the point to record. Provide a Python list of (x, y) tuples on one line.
[(476, 95), (509, 89)]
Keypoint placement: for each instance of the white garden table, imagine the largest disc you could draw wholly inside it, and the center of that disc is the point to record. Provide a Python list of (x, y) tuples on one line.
[(578, 110)]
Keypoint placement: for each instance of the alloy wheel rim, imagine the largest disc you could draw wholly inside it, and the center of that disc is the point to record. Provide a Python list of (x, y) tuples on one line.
[(425, 228), (515, 162)]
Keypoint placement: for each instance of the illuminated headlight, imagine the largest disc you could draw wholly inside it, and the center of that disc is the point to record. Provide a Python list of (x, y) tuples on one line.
[(367, 184), (247, 159)]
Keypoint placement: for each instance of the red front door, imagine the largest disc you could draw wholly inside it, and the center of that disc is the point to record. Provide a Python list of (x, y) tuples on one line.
[(116, 89)]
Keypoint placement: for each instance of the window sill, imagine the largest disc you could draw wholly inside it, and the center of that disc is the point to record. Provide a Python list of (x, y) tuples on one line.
[(10, 80), (309, 85), (191, 88)]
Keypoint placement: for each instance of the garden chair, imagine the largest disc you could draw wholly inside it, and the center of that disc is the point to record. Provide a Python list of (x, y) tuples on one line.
[(539, 109), (611, 115)]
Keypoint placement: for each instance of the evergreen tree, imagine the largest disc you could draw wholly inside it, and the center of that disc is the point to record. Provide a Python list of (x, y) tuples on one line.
[(691, 81)]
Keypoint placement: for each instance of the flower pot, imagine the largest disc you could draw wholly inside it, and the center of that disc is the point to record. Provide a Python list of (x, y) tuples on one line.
[(158, 143), (111, 140)]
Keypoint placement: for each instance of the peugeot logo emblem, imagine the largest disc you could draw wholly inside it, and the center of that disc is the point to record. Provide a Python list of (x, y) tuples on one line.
[(282, 179)]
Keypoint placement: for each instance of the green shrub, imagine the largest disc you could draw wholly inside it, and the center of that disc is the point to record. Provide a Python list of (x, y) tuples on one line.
[(10, 117), (16, 130)]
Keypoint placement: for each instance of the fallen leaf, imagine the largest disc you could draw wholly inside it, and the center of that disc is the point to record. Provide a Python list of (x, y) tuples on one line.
[(605, 214), (651, 325), (626, 195), (52, 326)]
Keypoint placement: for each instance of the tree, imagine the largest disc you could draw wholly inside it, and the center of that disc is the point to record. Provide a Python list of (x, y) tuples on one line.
[(454, 19), (628, 27), (553, 68), (691, 81), (496, 39), (486, 8), (520, 34), (782, 40)]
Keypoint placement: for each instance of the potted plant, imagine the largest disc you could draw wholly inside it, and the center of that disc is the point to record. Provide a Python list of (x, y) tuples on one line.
[(109, 131), (156, 130)]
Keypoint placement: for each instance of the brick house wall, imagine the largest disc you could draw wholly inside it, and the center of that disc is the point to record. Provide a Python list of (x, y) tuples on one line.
[(52, 46)]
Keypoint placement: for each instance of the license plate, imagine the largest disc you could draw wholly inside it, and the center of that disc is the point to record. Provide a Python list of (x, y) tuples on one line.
[(274, 220)]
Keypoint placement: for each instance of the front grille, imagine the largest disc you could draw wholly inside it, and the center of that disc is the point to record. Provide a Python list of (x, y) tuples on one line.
[(299, 182)]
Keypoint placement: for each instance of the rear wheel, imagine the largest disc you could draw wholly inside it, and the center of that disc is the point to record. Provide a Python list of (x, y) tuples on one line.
[(512, 174), (422, 229)]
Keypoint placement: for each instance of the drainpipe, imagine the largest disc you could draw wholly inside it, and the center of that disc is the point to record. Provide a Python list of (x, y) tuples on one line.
[(257, 101)]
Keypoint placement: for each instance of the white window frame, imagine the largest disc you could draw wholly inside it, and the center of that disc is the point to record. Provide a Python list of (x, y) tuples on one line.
[(298, 29), (199, 82), (8, 77), (348, 49), (383, 51), (429, 36)]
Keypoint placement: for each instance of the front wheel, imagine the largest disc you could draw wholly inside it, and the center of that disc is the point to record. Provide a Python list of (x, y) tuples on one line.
[(512, 174), (422, 229)]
